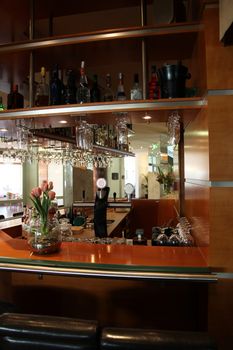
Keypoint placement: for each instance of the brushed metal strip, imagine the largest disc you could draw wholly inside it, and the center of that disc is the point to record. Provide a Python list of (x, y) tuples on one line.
[(85, 38), (223, 92), (102, 108), (110, 204), (207, 183), (221, 184), (224, 275), (141, 275)]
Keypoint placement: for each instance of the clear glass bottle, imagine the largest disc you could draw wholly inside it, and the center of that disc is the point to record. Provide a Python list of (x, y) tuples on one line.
[(136, 91), (15, 99), (83, 92), (108, 93), (42, 91), (120, 95), (95, 91)]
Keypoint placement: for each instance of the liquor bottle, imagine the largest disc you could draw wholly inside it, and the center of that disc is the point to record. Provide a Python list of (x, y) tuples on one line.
[(42, 91), (120, 95), (56, 88), (95, 91), (83, 93), (139, 239), (108, 93), (154, 87), (14, 98), (136, 91), (71, 89), (1, 104)]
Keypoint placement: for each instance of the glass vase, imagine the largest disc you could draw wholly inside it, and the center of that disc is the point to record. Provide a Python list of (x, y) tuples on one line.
[(44, 237)]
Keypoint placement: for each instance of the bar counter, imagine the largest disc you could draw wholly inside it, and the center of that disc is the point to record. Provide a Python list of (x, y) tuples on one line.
[(104, 260)]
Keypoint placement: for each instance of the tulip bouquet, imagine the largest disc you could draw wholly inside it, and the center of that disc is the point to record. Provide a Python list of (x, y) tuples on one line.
[(42, 198)]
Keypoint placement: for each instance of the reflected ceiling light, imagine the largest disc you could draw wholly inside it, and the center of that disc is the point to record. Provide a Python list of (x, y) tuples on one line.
[(3, 130), (147, 117), (63, 122)]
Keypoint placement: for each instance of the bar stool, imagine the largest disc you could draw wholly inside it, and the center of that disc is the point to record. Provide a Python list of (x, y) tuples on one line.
[(39, 332), (138, 339)]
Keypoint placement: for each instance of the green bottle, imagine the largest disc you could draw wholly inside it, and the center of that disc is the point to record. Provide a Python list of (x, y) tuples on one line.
[(1, 104)]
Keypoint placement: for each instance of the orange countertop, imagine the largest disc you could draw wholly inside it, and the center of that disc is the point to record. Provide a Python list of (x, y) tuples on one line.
[(130, 260)]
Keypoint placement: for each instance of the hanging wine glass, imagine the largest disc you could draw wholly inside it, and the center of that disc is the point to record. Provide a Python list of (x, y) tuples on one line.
[(84, 136)]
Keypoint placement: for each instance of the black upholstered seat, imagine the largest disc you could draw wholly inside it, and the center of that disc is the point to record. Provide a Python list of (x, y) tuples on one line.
[(145, 339), (37, 332)]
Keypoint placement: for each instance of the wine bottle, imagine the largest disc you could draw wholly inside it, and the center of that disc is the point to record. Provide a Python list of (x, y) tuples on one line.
[(120, 95), (71, 89), (83, 92), (15, 99), (42, 91), (95, 91), (154, 87), (108, 93), (136, 91), (56, 88)]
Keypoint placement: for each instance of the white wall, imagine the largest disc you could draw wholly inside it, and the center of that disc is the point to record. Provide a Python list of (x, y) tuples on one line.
[(141, 158), (117, 166)]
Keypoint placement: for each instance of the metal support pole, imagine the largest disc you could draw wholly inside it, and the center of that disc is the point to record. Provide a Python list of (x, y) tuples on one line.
[(31, 58), (144, 60), (181, 170)]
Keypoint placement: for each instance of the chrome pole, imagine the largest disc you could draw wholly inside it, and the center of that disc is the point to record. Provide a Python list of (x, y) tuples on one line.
[(143, 49), (31, 57)]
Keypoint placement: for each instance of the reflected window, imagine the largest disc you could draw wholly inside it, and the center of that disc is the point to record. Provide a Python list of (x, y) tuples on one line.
[(11, 184), (53, 172)]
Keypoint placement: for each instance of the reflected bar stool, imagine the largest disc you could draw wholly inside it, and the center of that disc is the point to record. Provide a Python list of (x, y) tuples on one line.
[(145, 339)]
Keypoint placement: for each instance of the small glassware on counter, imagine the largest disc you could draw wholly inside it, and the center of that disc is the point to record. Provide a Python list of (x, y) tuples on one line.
[(174, 239), (162, 239), (184, 230), (139, 239), (65, 227), (156, 231)]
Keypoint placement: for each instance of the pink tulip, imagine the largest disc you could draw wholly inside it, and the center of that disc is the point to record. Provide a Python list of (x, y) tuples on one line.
[(44, 186), (50, 187), (51, 195), (36, 192)]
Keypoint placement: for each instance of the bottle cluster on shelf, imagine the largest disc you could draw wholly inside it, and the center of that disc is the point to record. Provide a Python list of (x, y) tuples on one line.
[(165, 82), (70, 90)]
